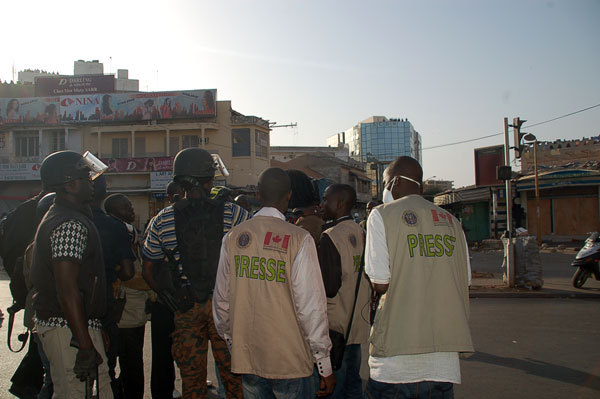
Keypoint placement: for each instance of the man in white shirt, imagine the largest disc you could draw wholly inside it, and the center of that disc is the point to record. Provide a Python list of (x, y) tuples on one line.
[(269, 302), (417, 258)]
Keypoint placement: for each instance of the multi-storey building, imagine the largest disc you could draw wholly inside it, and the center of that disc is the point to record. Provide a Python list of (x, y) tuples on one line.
[(378, 141), (138, 146)]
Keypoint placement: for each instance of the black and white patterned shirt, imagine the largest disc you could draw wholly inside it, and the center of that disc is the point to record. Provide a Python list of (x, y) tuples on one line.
[(69, 240)]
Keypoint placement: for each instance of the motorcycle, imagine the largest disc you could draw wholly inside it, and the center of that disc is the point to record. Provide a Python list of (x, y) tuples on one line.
[(587, 260)]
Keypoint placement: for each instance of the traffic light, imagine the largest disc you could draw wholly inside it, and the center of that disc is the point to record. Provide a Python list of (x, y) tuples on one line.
[(517, 123)]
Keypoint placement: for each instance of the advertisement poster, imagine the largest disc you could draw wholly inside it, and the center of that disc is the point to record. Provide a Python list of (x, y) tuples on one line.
[(109, 107), (128, 165), (31, 110)]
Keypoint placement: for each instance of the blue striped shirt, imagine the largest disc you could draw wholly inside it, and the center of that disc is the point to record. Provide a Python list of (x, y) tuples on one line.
[(162, 230)]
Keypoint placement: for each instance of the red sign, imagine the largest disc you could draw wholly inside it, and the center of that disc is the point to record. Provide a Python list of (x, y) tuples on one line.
[(127, 165), (486, 160)]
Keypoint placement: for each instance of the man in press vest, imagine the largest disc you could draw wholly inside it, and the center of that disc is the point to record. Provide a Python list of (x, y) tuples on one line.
[(417, 258), (340, 256), (269, 303)]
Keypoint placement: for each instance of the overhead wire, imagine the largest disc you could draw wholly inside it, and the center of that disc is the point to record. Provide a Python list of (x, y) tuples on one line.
[(523, 127)]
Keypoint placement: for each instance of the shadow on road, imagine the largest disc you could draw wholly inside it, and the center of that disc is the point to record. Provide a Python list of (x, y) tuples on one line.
[(541, 369)]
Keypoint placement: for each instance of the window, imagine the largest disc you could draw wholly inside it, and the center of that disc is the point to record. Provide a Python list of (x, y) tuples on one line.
[(190, 141), (140, 146), (27, 144), (173, 146), (240, 142), (120, 148), (57, 140), (261, 143)]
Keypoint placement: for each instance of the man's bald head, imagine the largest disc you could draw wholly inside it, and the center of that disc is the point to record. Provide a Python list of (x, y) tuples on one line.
[(274, 188), (408, 174)]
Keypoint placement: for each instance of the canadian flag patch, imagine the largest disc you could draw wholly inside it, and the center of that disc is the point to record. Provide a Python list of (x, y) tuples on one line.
[(276, 242), (441, 218)]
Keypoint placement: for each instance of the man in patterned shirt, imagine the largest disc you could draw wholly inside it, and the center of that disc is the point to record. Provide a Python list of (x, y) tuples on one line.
[(193, 228), (68, 274)]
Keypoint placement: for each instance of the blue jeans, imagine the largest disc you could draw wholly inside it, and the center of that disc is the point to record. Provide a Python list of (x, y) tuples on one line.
[(256, 387), (348, 382), (423, 389)]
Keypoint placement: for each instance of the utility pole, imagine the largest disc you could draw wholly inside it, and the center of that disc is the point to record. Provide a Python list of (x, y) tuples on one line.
[(510, 271)]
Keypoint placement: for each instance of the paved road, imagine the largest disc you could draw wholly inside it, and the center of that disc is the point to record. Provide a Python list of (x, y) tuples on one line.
[(527, 348)]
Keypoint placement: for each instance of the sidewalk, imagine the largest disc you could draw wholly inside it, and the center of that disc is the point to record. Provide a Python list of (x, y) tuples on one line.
[(491, 286)]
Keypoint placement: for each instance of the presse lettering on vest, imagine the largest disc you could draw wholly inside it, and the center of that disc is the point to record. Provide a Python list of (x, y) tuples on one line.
[(260, 268), (431, 245)]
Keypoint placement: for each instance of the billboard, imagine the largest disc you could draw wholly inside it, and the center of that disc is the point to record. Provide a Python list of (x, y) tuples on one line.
[(128, 165), (109, 107), (486, 160), (68, 85), (31, 110)]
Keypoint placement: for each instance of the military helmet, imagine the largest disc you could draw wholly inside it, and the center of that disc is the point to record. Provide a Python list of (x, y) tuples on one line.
[(193, 162), (61, 167)]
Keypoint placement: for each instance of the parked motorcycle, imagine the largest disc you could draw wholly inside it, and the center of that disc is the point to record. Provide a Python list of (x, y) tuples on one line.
[(587, 260)]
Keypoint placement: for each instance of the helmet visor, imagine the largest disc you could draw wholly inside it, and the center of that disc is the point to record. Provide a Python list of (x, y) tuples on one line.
[(220, 169), (95, 166)]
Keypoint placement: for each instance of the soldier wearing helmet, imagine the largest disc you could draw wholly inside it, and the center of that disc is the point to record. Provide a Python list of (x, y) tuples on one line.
[(188, 235), (68, 274)]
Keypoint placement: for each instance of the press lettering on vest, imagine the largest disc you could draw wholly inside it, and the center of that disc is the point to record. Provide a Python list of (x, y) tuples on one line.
[(357, 259), (449, 241), (430, 245), (254, 267), (280, 271), (260, 268), (271, 269)]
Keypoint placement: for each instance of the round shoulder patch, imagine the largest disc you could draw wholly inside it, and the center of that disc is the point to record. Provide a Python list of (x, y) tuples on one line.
[(410, 218), (352, 239), (243, 240)]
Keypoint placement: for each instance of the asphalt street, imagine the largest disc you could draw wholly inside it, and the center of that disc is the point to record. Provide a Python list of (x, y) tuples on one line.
[(526, 348)]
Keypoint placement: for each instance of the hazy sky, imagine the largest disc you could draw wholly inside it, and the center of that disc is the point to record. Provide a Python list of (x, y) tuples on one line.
[(455, 68)]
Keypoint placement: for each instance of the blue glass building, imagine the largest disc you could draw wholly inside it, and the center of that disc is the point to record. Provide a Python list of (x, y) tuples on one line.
[(377, 141)]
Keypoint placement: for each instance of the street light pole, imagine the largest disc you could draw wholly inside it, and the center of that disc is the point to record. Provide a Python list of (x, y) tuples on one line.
[(538, 216), (510, 272)]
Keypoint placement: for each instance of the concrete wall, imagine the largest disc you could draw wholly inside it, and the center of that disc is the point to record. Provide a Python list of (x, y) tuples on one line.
[(561, 153)]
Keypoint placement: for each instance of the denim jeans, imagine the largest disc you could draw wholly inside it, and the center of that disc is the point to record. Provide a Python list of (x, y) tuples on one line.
[(423, 389), (348, 382), (256, 387)]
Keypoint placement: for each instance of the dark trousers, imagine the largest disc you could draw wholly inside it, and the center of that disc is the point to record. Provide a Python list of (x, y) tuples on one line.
[(131, 362), (111, 358), (29, 375), (423, 389), (162, 380)]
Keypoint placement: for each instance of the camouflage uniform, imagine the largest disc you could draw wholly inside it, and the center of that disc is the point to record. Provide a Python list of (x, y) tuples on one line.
[(193, 330)]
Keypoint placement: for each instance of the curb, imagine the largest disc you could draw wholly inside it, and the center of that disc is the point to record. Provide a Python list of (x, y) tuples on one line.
[(535, 295)]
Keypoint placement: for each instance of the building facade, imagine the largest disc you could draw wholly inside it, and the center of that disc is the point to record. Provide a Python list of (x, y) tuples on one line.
[(378, 141), (560, 153), (139, 152), (287, 153)]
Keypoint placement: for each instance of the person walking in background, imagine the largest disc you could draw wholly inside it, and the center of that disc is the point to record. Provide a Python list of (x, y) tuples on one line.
[(269, 302), (369, 208), (417, 259), (340, 252), (305, 204)]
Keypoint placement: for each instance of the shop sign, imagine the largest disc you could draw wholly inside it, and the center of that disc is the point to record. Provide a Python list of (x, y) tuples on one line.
[(129, 165), (159, 180), (19, 171)]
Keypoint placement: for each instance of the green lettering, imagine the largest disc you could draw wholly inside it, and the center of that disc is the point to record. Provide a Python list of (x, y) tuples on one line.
[(244, 265), (421, 245), (412, 243), (254, 267), (237, 265), (271, 270), (429, 245), (449, 241), (280, 271), (439, 245), (261, 274)]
